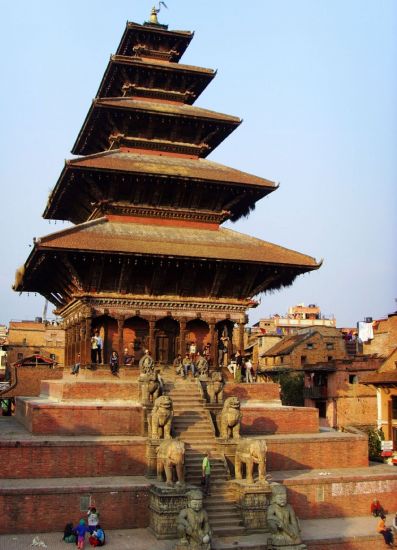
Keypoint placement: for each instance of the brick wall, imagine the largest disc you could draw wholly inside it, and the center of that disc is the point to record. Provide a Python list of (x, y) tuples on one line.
[(245, 392), (29, 380), (71, 458), (63, 419), (261, 420), (374, 542), (344, 451), (49, 509), (340, 497)]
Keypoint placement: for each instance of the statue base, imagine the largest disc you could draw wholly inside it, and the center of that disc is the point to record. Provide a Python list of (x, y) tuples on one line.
[(252, 502), (165, 505)]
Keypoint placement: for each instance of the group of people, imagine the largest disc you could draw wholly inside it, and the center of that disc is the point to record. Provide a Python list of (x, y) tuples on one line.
[(196, 363), (388, 533), (241, 368), (91, 528)]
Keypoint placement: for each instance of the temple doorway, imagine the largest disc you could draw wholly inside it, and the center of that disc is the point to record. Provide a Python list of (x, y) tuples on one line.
[(197, 332), (167, 336), (135, 339)]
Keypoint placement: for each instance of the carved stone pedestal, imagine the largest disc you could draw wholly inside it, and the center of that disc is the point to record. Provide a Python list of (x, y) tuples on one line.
[(228, 448), (165, 505), (252, 502), (151, 454)]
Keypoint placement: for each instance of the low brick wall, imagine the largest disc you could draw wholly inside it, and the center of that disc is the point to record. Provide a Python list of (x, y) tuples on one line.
[(345, 451), (259, 420), (86, 419), (71, 458), (316, 499), (374, 542), (41, 509), (90, 389), (249, 392), (29, 380)]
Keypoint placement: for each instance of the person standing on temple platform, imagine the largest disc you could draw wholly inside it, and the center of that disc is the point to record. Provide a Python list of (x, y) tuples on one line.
[(192, 351), (248, 371), (206, 474), (99, 347), (76, 366), (94, 349), (207, 352), (114, 363), (187, 364)]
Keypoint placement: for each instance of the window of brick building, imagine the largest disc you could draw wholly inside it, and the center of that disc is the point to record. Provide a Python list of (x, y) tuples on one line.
[(303, 359), (353, 379), (329, 358), (310, 346), (330, 345)]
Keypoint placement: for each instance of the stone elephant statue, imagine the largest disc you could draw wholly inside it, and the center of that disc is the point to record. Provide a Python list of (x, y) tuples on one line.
[(215, 387), (171, 454), (160, 420), (229, 419), (251, 452)]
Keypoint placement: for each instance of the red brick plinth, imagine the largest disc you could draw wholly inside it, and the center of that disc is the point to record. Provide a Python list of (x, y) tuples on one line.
[(67, 390), (72, 457), (257, 392), (34, 506), (260, 419), (41, 416)]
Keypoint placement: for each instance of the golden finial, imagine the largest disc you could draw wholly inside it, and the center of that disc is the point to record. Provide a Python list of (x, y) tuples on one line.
[(153, 16)]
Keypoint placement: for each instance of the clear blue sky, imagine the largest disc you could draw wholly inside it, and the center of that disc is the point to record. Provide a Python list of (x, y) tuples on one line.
[(314, 81)]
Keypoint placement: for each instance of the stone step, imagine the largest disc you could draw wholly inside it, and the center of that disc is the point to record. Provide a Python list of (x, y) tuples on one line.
[(228, 531)]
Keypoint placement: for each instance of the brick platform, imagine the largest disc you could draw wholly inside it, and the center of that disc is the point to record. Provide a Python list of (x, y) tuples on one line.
[(91, 389), (346, 492), (259, 419), (322, 450), (47, 505), (43, 416), (253, 392)]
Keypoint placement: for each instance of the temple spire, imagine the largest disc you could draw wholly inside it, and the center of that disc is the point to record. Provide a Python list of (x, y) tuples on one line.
[(153, 20)]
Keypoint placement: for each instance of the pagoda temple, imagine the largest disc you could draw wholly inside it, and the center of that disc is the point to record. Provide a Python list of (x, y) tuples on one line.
[(147, 262)]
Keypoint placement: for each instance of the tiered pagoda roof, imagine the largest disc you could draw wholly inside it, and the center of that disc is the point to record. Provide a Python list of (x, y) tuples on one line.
[(147, 204)]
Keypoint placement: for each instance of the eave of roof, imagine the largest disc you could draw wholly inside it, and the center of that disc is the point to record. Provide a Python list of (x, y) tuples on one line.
[(179, 240), (380, 378)]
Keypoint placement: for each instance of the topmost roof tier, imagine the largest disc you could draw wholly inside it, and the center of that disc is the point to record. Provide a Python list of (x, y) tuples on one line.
[(153, 41)]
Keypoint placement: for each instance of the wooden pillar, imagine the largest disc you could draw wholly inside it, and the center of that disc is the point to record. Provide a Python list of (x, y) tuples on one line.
[(214, 351), (87, 341), (67, 339), (73, 343), (152, 323), (120, 328), (241, 336), (182, 337)]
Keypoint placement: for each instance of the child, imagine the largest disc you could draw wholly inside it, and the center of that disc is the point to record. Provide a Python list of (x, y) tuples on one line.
[(93, 519), (68, 533), (114, 363), (81, 529), (98, 537)]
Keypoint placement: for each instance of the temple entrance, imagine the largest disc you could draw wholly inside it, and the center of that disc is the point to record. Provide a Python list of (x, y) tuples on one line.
[(106, 327), (166, 342), (197, 332), (224, 338), (135, 339)]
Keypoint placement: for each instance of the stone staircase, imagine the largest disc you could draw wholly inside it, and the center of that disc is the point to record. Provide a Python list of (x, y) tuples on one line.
[(192, 424)]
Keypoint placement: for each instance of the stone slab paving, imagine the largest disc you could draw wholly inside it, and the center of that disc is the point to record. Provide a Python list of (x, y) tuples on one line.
[(142, 539)]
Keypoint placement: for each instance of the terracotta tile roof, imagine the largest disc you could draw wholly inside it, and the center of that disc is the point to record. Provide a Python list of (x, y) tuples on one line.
[(102, 235), (164, 108), (285, 345), (159, 64), (168, 166)]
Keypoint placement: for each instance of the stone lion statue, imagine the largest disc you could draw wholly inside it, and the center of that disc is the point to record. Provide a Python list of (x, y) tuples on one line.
[(251, 452), (215, 387), (151, 387), (171, 454), (229, 419), (161, 418)]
